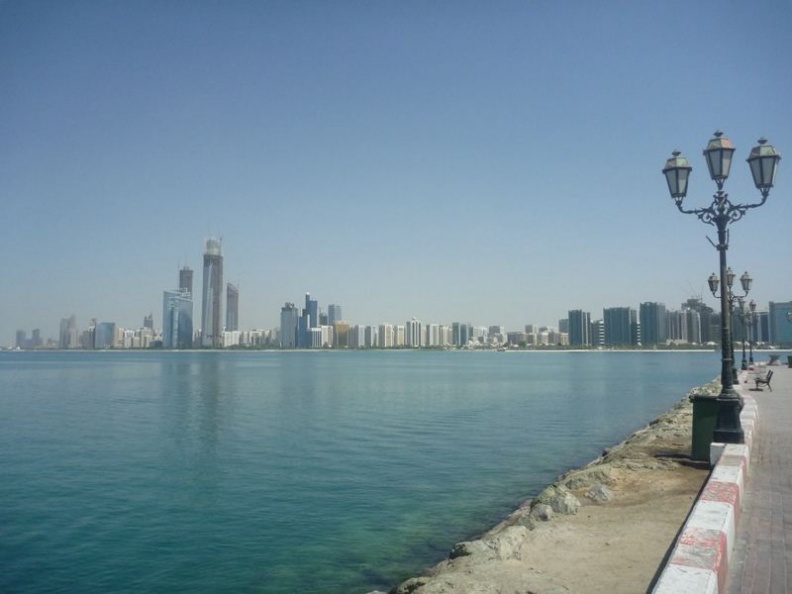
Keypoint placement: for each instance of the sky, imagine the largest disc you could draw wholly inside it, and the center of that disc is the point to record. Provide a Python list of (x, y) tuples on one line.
[(493, 163)]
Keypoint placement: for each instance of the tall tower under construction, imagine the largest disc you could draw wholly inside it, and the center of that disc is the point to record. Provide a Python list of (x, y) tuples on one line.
[(211, 322), (186, 279)]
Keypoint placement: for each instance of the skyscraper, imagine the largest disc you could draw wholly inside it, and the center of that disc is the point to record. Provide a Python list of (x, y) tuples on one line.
[(104, 335), (68, 333), (461, 333), (414, 333), (312, 309), (780, 323), (232, 308), (385, 337), (211, 329), (177, 323), (288, 326), (621, 326), (186, 279), (308, 320), (709, 320), (654, 322), (333, 314), (579, 328)]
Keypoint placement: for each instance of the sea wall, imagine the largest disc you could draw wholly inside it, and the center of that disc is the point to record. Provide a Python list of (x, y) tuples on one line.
[(703, 551)]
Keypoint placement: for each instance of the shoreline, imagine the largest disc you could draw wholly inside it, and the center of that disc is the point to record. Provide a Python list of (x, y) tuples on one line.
[(603, 527)]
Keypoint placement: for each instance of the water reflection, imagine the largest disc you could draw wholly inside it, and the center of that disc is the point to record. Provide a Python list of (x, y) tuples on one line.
[(195, 389)]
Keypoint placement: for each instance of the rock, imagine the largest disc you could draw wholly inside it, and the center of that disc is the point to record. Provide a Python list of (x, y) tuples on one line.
[(467, 548), (505, 544), (528, 522), (599, 493), (588, 477), (560, 499), (509, 542), (411, 585), (542, 512)]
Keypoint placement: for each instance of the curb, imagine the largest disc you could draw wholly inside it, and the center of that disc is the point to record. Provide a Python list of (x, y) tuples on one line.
[(699, 562)]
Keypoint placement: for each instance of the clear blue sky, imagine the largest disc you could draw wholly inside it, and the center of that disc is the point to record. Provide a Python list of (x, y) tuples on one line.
[(495, 163)]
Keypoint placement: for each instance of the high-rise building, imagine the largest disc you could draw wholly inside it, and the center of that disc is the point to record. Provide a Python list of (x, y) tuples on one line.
[(186, 279), (232, 308), (177, 319), (148, 321), (385, 336), (288, 326), (69, 337), (709, 320), (211, 328), (432, 335), (21, 339), (307, 322), (497, 333), (621, 326), (461, 333), (312, 309), (677, 326), (304, 336), (653, 318), (693, 324), (357, 337), (761, 327), (414, 333), (780, 322), (371, 337), (333, 314), (104, 335), (341, 335), (598, 333), (35, 339), (579, 324)]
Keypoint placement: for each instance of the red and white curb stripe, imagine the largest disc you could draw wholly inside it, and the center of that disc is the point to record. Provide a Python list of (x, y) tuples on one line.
[(699, 563)]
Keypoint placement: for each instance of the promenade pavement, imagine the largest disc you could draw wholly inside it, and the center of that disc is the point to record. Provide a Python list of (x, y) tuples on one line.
[(762, 558)]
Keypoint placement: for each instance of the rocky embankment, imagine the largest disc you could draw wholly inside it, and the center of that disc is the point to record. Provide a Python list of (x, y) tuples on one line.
[(601, 528)]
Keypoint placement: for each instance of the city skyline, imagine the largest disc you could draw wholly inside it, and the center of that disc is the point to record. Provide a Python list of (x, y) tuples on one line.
[(401, 159), (651, 323), (178, 316)]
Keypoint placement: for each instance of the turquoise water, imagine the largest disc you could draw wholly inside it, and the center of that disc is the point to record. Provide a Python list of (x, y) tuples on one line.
[(283, 472)]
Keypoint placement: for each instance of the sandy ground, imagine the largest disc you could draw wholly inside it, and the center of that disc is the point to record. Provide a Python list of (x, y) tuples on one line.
[(614, 546)]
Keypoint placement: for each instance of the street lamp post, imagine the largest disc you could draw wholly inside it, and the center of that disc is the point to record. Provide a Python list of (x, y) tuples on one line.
[(751, 314), (745, 282), (743, 323), (763, 161)]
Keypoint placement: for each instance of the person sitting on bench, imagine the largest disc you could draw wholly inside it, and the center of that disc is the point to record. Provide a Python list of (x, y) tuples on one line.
[(764, 380)]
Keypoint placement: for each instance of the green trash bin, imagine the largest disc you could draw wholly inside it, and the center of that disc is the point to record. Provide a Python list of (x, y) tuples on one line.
[(705, 418), (789, 361)]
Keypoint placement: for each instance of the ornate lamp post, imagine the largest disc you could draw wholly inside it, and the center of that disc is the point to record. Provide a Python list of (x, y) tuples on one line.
[(763, 161), (751, 319), (746, 281)]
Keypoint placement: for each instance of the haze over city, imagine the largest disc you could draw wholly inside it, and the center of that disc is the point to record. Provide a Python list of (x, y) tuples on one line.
[(494, 164)]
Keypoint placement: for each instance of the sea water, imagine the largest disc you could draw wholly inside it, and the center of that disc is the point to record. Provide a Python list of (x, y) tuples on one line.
[(284, 472)]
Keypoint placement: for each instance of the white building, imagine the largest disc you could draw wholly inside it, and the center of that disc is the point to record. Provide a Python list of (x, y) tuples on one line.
[(414, 333), (385, 338)]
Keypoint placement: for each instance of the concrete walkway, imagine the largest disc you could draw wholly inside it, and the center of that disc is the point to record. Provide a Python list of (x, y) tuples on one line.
[(762, 559)]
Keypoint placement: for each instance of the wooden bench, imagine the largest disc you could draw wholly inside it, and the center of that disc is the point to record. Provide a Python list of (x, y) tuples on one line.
[(764, 381)]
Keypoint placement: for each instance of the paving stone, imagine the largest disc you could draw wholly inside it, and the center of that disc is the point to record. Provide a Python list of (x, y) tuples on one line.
[(762, 559)]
